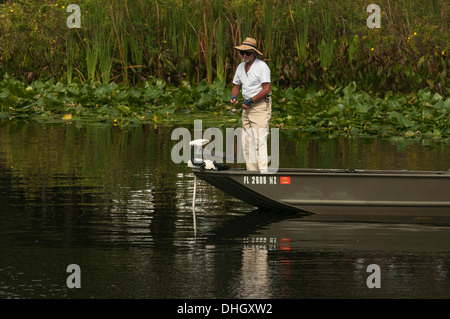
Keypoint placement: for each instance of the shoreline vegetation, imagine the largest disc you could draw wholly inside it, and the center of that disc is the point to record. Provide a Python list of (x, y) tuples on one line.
[(171, 61)]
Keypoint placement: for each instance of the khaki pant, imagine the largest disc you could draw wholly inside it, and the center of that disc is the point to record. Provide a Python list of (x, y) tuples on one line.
[(255, 129)]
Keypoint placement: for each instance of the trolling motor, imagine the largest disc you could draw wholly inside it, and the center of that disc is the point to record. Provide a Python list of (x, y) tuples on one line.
[(198, 161), (197, 157)]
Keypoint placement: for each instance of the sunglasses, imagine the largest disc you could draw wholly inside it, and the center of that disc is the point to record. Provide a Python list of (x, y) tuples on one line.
[(246, 53)]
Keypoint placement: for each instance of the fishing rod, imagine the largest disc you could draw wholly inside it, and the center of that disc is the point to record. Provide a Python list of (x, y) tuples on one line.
[(233, 111), (228, 103)]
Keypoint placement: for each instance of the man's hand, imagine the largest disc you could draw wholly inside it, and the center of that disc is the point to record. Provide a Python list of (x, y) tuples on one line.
[(233, 100), (247, 103)]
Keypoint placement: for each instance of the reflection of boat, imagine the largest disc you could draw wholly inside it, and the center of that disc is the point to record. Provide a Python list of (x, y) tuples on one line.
[(308, 233), (333, 191)]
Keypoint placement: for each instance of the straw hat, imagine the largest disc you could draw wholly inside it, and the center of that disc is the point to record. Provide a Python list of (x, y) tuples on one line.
[(249, 44)]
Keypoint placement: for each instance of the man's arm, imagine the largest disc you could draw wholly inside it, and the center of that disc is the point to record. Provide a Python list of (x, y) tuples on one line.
[(266, 89), (234, 93)]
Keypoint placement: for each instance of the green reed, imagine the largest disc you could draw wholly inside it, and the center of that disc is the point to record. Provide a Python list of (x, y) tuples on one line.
[(268, 19), (326, 44), (121, 37), (350, 22), (93, 38), (220, 40), (70, 50), (92, 53), (134, 9), (105, 57), (300, 15), (150, 35), (244, 18), (207, 38), (191, 40)]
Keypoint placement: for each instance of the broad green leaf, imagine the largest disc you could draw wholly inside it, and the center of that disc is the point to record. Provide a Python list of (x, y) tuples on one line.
[(5, 93), (102, 90), (123, 95), (446, 104), (393, 102), (124, 109), (202, 86), (349, 89), (364, 108), (401, 120), (78, 108)]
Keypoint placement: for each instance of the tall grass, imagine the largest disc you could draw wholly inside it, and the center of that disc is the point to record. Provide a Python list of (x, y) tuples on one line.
[(326, 44), (269, 24), (191, 40), (105, 57), (220, 28), (69, 56), (300, 15), (244, 19), (208, 38)]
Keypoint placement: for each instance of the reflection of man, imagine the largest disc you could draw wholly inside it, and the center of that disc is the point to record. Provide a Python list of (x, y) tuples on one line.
[(253, 76)]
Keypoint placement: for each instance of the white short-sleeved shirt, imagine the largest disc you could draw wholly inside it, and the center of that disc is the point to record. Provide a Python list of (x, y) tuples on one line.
[(251, 82)]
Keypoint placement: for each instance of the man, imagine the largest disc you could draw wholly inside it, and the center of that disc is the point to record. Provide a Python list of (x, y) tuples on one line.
[(253, 77)]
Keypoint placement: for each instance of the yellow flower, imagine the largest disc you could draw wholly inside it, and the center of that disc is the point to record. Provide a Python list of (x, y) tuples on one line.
[(56, 4), (415, 33), (372, 49), (12, 10), (442, 52)]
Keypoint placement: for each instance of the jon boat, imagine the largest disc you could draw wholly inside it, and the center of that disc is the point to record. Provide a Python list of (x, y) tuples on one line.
[(334, 191)]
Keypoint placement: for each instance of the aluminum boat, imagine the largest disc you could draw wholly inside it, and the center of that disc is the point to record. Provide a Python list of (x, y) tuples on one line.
[(337, 191), (331, 191)]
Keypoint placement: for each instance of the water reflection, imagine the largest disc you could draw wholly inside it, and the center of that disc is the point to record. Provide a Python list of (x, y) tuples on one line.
[(111, 200)]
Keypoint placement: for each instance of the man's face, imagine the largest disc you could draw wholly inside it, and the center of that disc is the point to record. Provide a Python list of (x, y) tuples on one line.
[(248, 56)]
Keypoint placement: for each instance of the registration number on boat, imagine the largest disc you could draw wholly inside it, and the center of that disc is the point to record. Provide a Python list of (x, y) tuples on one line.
[(262, 180)]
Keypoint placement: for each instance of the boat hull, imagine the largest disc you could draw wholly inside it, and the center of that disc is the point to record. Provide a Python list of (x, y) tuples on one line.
[(337, 191)]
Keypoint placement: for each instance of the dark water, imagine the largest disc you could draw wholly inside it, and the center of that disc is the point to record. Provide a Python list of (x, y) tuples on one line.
[(111, 201)]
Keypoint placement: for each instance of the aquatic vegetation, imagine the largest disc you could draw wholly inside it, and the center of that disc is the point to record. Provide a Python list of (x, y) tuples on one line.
[(306, 43), (420, 115), (171, 61), (334, 111)]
